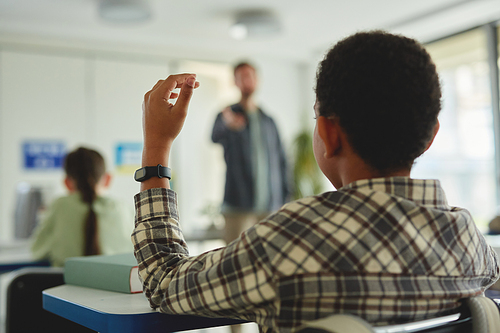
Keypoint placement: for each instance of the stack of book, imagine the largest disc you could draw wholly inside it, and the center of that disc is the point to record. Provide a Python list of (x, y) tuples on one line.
[(117, 272)]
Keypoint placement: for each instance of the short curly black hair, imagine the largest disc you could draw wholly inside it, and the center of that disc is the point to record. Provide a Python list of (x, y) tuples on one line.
[(385, 90)]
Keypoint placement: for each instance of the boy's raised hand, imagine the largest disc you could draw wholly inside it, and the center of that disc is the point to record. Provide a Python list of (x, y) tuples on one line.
[(162, 121)]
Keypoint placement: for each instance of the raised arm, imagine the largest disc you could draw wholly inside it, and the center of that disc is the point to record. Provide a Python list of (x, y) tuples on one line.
[(227, 282)]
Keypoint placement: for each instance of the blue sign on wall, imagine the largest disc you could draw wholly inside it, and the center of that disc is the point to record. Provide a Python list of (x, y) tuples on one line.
[(43, 155), (128, 156)]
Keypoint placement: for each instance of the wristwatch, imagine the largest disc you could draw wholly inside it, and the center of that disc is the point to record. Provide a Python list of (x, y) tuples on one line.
[(147, 172)]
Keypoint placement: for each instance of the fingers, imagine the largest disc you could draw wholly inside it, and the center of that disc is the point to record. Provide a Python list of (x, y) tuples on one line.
[(185, 94), (174, 95), (146, 96), (172, 82), (163, 89), (157, 84)]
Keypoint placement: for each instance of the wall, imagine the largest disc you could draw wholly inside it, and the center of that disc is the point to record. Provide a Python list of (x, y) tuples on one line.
[(94, 99)]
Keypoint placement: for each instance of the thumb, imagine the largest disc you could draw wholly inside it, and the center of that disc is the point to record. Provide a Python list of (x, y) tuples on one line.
[(185, 94)]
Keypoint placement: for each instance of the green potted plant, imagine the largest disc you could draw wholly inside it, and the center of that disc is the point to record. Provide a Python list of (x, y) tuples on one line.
[(306, 173)]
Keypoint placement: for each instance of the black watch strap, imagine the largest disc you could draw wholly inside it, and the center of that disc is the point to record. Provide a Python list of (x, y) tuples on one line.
[(147, 172)]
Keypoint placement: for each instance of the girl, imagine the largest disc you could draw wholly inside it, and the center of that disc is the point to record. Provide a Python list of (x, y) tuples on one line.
[(83, 222)]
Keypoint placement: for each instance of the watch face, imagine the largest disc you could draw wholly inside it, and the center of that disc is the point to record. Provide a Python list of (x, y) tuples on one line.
[(140, 173)]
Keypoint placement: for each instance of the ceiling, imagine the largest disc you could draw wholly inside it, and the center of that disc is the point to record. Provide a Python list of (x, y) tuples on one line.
[(198, 29)]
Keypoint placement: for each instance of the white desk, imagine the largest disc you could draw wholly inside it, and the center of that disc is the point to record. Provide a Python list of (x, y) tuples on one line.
[(10, 262), (109, 312), (17, 254)]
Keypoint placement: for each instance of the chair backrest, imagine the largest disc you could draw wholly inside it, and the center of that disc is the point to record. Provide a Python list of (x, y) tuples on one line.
[(29, 199), (24, 308), (480, 315), (485, 314)]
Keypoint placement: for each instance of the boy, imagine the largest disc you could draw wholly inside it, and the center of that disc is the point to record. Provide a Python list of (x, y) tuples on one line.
[(385, 247)]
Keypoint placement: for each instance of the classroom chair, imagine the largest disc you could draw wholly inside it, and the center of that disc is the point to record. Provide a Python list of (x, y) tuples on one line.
[(478, 315), (24, 302)]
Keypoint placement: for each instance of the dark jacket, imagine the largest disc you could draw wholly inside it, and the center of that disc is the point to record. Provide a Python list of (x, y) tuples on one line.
[(239, 188)]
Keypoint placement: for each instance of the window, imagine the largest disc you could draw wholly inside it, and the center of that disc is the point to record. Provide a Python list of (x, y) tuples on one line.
[(463, 153)]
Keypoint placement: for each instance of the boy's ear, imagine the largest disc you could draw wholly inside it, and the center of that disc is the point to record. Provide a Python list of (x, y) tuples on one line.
[(329, 132), (436, 130)]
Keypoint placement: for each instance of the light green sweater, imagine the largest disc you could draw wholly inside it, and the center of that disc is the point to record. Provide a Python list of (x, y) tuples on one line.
[(61, 234)]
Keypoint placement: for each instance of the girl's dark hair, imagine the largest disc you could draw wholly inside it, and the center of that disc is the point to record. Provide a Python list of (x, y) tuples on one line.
[(86, 167)]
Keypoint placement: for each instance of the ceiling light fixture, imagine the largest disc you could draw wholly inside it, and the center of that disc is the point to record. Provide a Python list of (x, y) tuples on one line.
[(254, 24), (124, 11)]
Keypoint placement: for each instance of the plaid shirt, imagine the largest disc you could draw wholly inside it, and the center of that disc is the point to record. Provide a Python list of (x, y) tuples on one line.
[(389, 250)]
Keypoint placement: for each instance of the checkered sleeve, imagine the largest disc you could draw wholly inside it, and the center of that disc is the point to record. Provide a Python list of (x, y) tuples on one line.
[(226, 282)]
